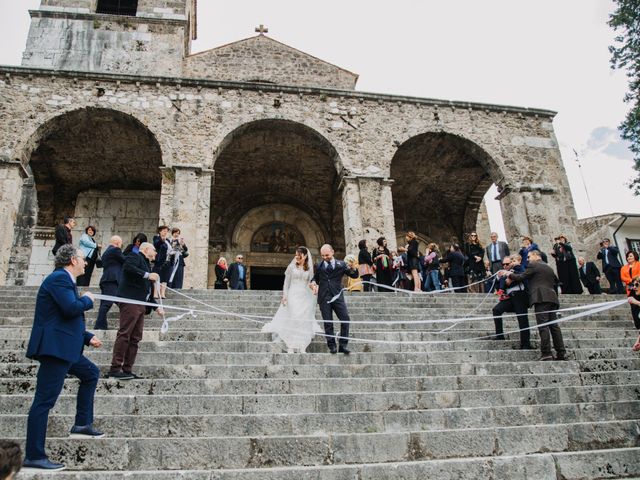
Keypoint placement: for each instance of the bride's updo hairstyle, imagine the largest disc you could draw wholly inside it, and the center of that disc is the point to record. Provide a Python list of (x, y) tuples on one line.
[(305, 253)]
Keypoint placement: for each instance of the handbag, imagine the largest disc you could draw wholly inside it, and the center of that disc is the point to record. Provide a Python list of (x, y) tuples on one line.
[(365, 269), (99, 260)]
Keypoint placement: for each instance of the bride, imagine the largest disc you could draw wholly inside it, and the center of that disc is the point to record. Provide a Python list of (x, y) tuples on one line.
[(294, 323)]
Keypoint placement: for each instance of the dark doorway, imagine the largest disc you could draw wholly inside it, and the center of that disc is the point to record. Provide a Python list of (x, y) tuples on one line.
[(264, 278)]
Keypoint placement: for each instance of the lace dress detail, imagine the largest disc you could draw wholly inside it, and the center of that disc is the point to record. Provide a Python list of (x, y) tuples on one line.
[(294, 323)]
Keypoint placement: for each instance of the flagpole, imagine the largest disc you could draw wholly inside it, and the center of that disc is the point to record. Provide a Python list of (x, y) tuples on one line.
[(584, 183)]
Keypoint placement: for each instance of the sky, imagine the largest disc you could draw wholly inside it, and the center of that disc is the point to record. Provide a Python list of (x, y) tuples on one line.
[(546, 54)]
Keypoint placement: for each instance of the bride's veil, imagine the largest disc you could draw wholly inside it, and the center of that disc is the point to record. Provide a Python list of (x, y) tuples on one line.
[(292, 264)]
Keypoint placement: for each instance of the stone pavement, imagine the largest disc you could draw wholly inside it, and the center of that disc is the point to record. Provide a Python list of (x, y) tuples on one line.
[(220, 401)]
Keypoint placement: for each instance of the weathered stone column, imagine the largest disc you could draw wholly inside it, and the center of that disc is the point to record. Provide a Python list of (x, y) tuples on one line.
[(540, 212), (184, 203), (368, 211), (11, 179)]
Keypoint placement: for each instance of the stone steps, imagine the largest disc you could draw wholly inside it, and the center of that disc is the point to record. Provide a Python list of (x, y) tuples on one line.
[(610, 464), (329, 402), (221, 401), (298, 385), (237, 452), (338, 370), (161, 426)]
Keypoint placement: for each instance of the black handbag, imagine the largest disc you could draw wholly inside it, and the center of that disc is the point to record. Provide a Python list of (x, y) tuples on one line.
[(98, 260)]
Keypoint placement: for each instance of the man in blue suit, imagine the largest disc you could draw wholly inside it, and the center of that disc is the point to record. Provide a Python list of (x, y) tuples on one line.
[(57, 341)]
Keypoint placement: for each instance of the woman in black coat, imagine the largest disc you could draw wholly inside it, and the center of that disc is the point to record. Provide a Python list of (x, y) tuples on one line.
[(365, 265), (475, 263), (455, 260), (566, 266), (381, 257), (162, 266), (222, 282)]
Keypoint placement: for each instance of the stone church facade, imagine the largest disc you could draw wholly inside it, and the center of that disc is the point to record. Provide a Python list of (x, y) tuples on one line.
[(252, 147)]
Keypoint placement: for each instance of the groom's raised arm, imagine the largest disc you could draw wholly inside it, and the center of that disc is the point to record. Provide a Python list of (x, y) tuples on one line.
[(350, 271)]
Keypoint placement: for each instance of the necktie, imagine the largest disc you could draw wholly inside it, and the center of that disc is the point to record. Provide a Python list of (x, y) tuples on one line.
[(495, 252), (329, 267)]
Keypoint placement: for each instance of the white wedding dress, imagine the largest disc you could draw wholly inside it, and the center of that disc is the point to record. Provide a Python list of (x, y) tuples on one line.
[(294, 323)]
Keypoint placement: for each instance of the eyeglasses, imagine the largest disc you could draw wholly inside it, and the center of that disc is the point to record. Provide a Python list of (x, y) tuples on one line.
[(506, 264)]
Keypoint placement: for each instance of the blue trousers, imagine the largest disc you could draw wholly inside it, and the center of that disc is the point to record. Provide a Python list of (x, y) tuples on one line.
[(106, 288), (50, 381)]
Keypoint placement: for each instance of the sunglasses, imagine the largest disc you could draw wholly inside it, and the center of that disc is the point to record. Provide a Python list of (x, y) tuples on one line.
[(506, 264)]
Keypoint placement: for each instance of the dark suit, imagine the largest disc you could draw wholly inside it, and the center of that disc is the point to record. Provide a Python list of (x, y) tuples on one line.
[(589, 275), (542, 295), (134, 284), (611, 267), (63, 237), (514, 299), (57, 340), (329, 281), (233, 274), (112, 261), (502, 251)]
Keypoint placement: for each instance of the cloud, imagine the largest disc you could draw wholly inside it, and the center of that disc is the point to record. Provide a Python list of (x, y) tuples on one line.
[(607, 140)]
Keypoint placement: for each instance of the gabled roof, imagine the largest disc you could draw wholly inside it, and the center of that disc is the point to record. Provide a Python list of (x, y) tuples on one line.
[(261, 58)]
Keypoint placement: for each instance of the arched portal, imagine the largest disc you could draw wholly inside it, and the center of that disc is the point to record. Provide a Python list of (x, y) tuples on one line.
[(99, 165), (272, 171), (440, 180)]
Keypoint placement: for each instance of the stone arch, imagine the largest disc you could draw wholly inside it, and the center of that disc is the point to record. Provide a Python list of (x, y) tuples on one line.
[(30, 139), (294, 125), (283, 213), (97, 164), (440, 179), (270, 165)]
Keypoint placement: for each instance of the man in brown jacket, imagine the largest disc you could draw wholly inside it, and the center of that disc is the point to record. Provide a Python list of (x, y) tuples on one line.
[(541, 280)]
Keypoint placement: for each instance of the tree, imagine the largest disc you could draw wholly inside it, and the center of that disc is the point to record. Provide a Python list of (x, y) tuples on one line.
[(625, 55)]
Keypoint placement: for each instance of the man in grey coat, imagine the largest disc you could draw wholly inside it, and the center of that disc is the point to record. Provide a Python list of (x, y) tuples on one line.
[(542, 280)]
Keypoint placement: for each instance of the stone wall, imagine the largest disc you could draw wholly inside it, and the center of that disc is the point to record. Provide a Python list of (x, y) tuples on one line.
[(264, 60), (115, 212), (106, 43), (191, 120), (166, 9)]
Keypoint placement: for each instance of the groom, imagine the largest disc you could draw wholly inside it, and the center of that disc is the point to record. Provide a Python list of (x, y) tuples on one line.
[(326, 283)]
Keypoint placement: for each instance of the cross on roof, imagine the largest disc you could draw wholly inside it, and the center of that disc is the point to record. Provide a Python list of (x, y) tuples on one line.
[(262, 29)]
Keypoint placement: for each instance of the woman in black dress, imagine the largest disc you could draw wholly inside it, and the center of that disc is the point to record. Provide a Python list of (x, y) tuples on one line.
[(365, 265), (413, 260), (475, 255), (382, 264), (566, 266)]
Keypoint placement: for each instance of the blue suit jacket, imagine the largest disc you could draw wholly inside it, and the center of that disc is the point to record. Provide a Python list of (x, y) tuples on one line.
[(58, 324), (112, 261)]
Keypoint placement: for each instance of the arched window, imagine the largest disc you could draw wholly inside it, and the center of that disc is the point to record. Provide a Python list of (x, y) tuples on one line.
[(117, 7)]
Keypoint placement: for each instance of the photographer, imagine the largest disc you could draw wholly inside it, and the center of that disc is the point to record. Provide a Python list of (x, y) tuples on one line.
[(611, 265), (566, 266), (175, 257), (631, 277)]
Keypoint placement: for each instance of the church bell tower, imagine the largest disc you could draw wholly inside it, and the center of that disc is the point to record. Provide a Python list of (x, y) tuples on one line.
[(137, 37)]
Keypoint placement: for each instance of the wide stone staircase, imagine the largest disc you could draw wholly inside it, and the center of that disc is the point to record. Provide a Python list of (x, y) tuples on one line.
[(221, 401)]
